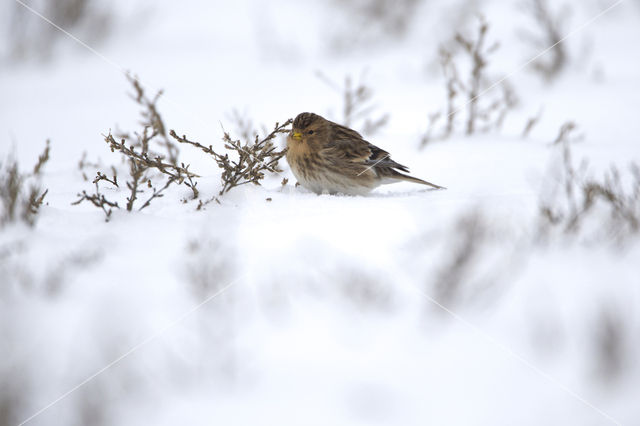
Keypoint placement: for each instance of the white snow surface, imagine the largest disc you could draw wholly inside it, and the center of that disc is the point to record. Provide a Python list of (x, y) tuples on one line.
[(307, 309)]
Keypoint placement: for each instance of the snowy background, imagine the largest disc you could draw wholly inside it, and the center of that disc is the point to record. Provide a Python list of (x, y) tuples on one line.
[(404, 307)]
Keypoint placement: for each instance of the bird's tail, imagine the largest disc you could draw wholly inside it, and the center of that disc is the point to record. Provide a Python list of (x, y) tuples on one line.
[(400, 176)]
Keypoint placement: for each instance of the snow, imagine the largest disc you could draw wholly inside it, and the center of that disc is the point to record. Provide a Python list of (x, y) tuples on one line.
[(311, 309)]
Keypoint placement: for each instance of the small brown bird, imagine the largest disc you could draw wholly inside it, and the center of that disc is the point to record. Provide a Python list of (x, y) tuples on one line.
[(327, 157)]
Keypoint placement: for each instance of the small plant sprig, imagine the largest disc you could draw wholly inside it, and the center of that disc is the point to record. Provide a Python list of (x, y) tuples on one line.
[(42, 159), (478, 54), (480, 116), (144, 162), (550, 30), (83, 164), (140, 163), (101, 176), (253, 159), (579, 194), (151, 119), (358, 106), (531, 123), (18, 202), (98, 200), (150, 173), (243, 125)]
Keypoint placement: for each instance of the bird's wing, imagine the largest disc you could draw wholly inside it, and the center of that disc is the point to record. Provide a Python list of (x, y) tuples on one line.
[(346, 144)]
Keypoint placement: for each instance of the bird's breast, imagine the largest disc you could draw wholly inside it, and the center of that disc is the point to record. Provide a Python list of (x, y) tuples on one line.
[(320, 174)]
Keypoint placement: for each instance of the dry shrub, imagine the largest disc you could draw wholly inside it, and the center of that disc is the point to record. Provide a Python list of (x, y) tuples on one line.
[(358, 107), (548, 34), (250, 160), (152, 159), (243, 125), (576, 197), (21, 195), (144, 173), (485, 110), (477, 256), (84, 164)]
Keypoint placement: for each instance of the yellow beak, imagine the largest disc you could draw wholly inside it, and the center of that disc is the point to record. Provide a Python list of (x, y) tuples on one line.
[(296, 135)]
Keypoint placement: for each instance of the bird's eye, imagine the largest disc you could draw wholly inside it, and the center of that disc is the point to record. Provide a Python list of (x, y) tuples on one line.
[(310, 132)]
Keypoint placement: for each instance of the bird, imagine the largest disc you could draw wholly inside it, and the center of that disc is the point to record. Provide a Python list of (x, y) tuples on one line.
[(326, 157)]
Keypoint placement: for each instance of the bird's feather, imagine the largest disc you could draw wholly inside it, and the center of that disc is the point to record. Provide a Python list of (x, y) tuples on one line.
[(349, 145)]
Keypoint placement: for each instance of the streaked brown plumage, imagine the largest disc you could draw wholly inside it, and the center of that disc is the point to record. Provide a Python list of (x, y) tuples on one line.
[(327, 157)]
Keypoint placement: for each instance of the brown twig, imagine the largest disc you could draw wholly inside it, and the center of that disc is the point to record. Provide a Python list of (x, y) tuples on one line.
[(358, 106), (253, 159), (151, 118), (480, 116), (101, 176), (42, 159), (98, 200), (16, 202), (550, 27)]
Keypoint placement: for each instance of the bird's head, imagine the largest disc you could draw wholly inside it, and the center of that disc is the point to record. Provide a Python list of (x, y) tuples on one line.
[(309, 128)]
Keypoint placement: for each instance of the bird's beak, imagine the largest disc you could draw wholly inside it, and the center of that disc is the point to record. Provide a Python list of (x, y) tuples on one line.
[(296, 135)]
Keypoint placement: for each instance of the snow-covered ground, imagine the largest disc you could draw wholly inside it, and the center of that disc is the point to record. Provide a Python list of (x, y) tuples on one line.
[(278, 306)]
